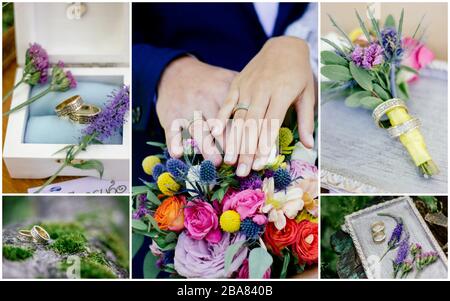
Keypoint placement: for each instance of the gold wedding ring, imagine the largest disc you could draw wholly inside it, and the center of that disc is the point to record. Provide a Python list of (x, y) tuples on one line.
[(385, 107), (26, 234), (69, 105), (39, 234), (379, 237), (398, 130), (240, 106), (85, 114), (377, 227)]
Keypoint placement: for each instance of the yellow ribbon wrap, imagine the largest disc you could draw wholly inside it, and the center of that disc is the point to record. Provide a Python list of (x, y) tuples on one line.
[(412, 140)]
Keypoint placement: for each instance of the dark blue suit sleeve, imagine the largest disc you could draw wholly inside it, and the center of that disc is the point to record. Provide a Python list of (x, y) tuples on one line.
[(149, 63)]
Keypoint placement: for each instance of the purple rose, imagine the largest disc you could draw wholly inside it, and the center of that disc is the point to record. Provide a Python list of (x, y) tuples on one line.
[(201, 259)]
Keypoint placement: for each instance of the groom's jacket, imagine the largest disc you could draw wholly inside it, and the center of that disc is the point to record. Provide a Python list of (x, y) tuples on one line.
[(227, 35)]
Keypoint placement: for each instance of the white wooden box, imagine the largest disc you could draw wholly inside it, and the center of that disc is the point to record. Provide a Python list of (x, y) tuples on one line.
[(94, 46)]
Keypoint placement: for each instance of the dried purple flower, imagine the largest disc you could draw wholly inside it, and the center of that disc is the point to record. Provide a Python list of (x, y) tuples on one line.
[(367, 57), (415, 249), (425, 259), (36, 65), (406, 267), (141, 209), (112, 117), (62, 80), (252, 181)]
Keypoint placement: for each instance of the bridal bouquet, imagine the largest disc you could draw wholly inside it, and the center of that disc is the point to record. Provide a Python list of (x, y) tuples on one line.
[(371, 68), (205, 222)]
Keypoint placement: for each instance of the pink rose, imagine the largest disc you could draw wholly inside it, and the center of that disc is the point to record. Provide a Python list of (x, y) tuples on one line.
[(201, 221), (247, 203), (243, 272), (417, 56)]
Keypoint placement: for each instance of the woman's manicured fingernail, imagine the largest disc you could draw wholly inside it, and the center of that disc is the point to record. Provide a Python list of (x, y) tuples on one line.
[(242, 170), (310, 140), (216, 130), (228, 158), (258, 164)]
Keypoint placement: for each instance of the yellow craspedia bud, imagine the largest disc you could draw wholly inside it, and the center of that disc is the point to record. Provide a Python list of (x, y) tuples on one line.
[(230, 221), (285, 137), (148, 163), (167, 184)]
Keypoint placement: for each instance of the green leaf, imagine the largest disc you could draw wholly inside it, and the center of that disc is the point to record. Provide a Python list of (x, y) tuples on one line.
[(328, 85), (286, 260), (418, 26), (389, 22), (150, 268), (354, 100), (90, 164), (157, 144), (153, 198), (400, 24), (153, 223), (363, 26), (381, 92), (409, 69), (342, 32), (231, 251), (336, 72), (137, 190), (431, 202), (332, 44), (137, 241), (370, 102), (403, 90), (361, 76), (219, 194), (331, 58), (259, 261), (375, 25), (138, 224)]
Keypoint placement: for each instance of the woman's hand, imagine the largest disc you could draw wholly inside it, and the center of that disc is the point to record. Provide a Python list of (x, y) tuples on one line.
[(189, 94), (277, 77)]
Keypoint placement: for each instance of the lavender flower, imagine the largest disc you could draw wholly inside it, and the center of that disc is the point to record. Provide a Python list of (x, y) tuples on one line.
[(252, 181), (391, 43), (367, 57), (36, 65), (142, 209), (396, 235), (402, 254), (112, 117)]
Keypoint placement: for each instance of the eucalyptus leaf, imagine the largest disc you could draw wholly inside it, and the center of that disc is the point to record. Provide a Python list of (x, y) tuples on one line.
[(137, 190), (231, 251), (336, 72), (286, 260), (354, 100), (150, 267), (259, 261), (370, 102), (90, 164), (137, 241), (331, 58), (361, 76), (138, 224), (381, 92), (328, 85), (153, 198), (153, 223)]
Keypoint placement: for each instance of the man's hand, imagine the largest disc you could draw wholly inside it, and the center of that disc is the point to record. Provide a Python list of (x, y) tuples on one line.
[(187, 86)]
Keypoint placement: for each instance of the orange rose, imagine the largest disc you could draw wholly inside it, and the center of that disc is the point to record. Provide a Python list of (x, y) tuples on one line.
[(170, 214)]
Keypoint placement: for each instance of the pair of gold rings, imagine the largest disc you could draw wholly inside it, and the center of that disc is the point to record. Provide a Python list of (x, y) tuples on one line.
[(378, 232), (36, 234), (74, 108)]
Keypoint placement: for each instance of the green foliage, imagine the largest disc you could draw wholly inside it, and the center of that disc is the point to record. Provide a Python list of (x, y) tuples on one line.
[(259, 261), (8, 16), (336, 72), (354, 100), (331, 58), (70, 243), (333, 210), (370, 102), (389, 22), (13, 253), (57, 230), (361, 76), (91, 269), (430, 201)]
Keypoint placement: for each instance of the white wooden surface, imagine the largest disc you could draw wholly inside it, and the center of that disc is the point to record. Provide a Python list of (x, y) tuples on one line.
[(356, 156)]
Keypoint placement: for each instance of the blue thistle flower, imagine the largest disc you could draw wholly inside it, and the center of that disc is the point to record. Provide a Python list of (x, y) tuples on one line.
[(208, 173), (158, 169), (282, 179), (250, 229), (177, 168)]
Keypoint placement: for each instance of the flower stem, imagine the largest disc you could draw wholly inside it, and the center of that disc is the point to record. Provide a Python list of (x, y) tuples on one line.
[(29, 101), (52, 178), (7, 95), (392, 79)]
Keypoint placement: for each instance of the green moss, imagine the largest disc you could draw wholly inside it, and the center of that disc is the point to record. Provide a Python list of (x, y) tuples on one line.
[(16, 253), (57, 230), (117, 246), (92, 266), (71, 243)]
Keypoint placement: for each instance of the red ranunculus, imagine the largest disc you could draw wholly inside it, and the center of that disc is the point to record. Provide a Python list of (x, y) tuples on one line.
[(277, 240), (306, 247)]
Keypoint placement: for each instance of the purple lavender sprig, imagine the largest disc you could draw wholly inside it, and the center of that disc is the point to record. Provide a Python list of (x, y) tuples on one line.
[(61, 82), (395, 239), (142, 209), (36, 68), (109, 121), (402, 255)]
